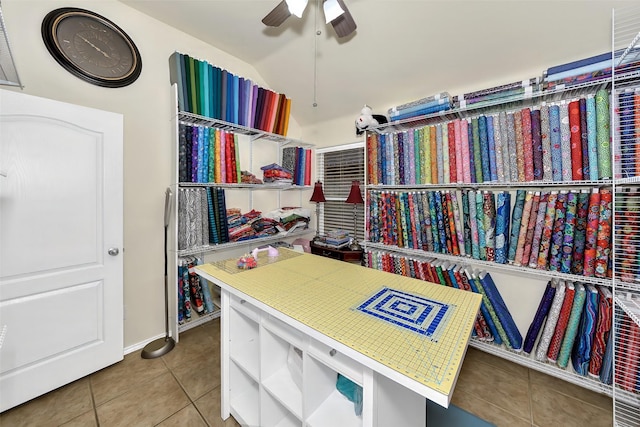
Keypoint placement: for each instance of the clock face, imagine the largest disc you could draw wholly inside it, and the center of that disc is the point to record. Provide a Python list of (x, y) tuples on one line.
[(91, 47)]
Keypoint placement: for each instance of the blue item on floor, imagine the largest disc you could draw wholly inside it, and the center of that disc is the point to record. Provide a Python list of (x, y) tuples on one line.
[(437, 416)]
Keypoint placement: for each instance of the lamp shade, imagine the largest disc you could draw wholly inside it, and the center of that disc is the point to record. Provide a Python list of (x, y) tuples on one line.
[(354, 195), (318, 194)]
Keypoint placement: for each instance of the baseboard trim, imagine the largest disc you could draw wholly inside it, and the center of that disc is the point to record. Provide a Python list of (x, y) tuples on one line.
[(140, 345)]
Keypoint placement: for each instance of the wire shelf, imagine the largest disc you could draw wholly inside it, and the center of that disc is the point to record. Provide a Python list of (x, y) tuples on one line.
[(488, 264), (198, 120), (541, 185), (245, 186), (249, 242)]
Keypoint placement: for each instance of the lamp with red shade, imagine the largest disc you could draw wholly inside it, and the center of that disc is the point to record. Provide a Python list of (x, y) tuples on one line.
[(317, 197), (355, 198)]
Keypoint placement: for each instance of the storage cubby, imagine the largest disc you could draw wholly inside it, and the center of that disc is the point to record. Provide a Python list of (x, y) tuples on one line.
[(325, 405), (243, 396), (274, 414), (277, 379), (244, 344)]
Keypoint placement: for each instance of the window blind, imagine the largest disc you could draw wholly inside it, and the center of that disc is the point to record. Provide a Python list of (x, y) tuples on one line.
[(337, 168)]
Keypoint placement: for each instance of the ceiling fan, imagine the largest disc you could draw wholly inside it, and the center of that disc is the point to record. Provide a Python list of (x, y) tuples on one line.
[(335, 12)]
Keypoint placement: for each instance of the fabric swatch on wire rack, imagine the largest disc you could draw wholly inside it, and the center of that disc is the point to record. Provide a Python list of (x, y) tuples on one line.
[(477, 149), (472, 156), (545, 136), (493, 162), (628, 356), (531, 226), (565, 142), (453, 158), (581, 353), (547, 232), (458, 223), (593, 216), (580, 232), (498, 147), (434, 155), (502, 311), (561, 325), (556, 142), (491, 309), (439, 153), (489, 208), (628, 200), (524, 225), (536, 144), (538, 319), (466, 222), (458, 150), (527, 144), (572, 326), (575, 140), (464, 146), (482, 246), (603, 237), (591, 137), (586, 163), (606, 370), (473, 224), (555, 250), (627, 134), (482, 243), (519, 140), (484, 148), (446, 173), (484, 308), (516, 220), (603, 134), (552, 321), (566, 255), (532, 261), (503, 210), (636, 112), (506, 150)]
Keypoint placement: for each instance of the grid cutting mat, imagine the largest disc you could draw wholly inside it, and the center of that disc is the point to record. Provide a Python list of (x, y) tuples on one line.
[(325, 294)]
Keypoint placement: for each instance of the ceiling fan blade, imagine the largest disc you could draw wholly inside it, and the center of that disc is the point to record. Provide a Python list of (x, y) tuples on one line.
[(344, 24), (277, 16)]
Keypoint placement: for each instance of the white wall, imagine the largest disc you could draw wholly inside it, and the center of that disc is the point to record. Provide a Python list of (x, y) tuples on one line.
[(148, 146)]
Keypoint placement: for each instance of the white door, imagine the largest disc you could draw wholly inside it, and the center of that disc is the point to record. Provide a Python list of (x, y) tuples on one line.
[(61, 307)]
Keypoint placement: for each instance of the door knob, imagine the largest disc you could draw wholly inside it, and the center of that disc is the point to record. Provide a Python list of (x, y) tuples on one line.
[(113, 251)]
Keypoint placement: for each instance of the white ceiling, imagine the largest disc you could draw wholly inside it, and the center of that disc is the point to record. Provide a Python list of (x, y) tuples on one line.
[(402, 50)]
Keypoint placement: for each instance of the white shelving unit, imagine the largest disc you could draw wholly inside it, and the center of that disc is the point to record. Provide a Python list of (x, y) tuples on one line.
[(626, 226), (256, 148), (295, 384)]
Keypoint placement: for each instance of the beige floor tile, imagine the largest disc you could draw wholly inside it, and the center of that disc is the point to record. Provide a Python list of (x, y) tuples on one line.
[(496, 386), (487, 411), (146, 404), (551, 409), (204, 339), (200, 375), (209, 407), (53, 408), (571, 390), (88, 419), (475, 355), (121, 377), (188, 416)]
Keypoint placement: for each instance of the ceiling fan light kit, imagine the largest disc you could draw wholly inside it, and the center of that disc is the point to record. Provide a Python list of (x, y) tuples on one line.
[(332, 10), (335, 12), (297, 7)]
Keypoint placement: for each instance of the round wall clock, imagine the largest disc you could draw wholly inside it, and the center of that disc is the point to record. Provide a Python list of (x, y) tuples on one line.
[(91, 47)]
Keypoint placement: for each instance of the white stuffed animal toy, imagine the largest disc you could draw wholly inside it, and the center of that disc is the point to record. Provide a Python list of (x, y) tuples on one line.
[(367, 120)]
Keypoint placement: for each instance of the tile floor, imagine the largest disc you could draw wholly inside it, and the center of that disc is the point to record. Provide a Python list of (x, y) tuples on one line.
[(182, 388)]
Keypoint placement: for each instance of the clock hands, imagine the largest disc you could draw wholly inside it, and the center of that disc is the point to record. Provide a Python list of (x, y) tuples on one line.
[(94, 46)]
